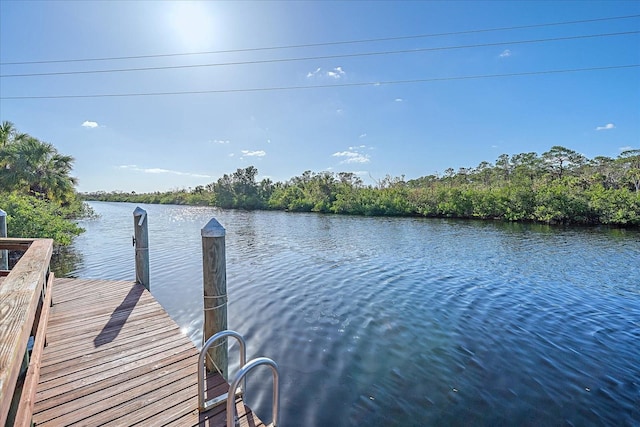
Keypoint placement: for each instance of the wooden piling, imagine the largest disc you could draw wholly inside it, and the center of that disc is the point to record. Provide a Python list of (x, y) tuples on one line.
[(4, 254), (214, 274), (141, 243)]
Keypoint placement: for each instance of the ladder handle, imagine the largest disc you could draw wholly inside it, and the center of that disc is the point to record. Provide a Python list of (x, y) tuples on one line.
[(231, 403), (203, 354)]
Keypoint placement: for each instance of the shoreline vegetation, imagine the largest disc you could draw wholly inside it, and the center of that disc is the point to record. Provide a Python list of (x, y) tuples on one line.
[(559, 186), (37, 191)]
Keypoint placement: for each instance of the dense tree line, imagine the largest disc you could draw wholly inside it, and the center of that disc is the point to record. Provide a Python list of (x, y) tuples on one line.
[(36, 189), (558, 186)]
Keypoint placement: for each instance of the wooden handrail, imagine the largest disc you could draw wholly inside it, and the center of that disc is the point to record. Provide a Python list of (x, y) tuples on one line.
[(25, 408), (20, 293), (15, 244)]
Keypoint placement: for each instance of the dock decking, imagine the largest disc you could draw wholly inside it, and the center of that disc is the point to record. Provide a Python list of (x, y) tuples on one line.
[(115, 357)]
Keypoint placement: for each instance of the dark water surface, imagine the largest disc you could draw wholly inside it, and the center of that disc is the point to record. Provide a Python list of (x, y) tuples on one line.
[(404, 322)]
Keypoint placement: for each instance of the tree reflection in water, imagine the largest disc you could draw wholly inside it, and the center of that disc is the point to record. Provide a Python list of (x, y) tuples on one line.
[(65, 261)]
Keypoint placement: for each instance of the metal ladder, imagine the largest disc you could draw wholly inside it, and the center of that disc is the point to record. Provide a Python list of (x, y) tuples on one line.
[(245, 368)]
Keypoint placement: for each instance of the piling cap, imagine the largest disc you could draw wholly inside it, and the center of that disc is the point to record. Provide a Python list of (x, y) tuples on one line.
[(139, 211), (213, 229), (2, 213)]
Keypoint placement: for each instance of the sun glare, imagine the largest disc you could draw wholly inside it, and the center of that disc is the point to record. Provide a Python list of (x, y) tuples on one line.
[(192, 24)]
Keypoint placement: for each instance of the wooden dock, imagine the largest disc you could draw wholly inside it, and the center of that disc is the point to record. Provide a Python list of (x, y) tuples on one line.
[(89, 352), (115, 357)]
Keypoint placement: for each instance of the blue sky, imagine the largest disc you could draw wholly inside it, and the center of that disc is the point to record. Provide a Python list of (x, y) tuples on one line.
[(149, 143)]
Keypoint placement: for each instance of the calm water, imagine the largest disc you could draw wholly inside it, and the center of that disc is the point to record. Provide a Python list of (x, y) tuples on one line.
[(404, 322)]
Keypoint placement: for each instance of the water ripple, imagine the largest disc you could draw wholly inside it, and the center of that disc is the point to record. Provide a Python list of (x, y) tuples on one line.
[(405, 322)]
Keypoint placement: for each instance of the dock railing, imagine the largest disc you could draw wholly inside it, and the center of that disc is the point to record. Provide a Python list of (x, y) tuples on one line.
[(25, 302), (4, 254)]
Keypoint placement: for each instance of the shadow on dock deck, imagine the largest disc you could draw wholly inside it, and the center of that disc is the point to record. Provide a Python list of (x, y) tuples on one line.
[(115, 357)]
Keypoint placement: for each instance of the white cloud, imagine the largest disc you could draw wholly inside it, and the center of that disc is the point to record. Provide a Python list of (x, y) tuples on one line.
[(505, 53), (364, 135), (398, 99), (359, 146), (311, 74), (90, 124), (626, 148), (606, 127), (336, 73), (161, 171), (345, 154), (352, 157), (339, 111), (221, 141), (258, 153)]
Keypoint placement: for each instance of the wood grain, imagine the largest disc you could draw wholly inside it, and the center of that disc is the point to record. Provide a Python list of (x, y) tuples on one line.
[(19, 297), (145, 374), (25, 407), (214, 275)]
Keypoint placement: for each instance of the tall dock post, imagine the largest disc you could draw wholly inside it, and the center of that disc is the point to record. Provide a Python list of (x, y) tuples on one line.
[(4, 254), (141, 243), (214, 274)]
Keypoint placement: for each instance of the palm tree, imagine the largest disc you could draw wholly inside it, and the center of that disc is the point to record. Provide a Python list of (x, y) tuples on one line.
[(9, 134), (37, 168)]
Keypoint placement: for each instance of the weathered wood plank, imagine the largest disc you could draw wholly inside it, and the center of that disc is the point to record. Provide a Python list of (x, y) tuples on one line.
[(19, 295), (27, 400), (140, 407), (97, 291), (116, 319), (162, 405), (187, 408), (88, 390), (59, 359), (83, 361), (145, 375), (126, 337), (113, 365), (216, 417), (112, 397), (15, 244)]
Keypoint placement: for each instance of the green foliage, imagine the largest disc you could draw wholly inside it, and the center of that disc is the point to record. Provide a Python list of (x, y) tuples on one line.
[(629, 162), (36, 188), (29, 216), (31, 166), (620, 207), (561, 186)]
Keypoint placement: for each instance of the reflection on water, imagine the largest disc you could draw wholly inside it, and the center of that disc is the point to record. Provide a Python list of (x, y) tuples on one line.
[(404, 321), (66, 260)]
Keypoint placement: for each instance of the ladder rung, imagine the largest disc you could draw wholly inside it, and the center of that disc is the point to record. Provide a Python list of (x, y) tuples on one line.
[(221, 399)]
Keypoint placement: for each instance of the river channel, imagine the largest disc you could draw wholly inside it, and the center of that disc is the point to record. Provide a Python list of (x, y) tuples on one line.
[(403, 321)]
